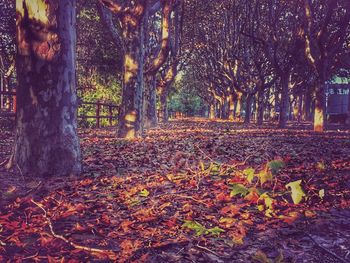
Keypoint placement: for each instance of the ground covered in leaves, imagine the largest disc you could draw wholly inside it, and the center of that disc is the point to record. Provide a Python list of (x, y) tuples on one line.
[(191, 191)]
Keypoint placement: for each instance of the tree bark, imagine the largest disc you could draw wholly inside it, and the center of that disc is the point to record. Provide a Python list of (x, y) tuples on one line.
[(320, 109), (150, 103), (163, 100), (46, 141), (248, 108), (261, 107), (284, 101), (212, 111), (238, 106), (131, 108)]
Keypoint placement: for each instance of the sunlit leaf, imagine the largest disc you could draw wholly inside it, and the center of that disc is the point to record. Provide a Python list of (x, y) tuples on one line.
[(265, 176), (250, 173), (321, 193), (297, 191), (144, 193), (238, 189), (215, 231), (193, 225)]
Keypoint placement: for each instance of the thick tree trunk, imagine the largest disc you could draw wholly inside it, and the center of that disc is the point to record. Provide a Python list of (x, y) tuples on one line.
[(320, 109), (284, 101), (248, 108), (163, 99), (150, 104), (130, 119), (46, 141), (261, 107)]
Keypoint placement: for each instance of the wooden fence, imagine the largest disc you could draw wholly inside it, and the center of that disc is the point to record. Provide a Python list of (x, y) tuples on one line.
[(8, 108)]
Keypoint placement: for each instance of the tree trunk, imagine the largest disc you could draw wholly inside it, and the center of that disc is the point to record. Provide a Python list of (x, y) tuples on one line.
[(284, 101), (320, 109), (307, 106), (248, 108), (238, 106), (300, 107), (163, 99), (261, 107), (46, 141), (130, 113), (231, 107), (212, 111), (150, 104)]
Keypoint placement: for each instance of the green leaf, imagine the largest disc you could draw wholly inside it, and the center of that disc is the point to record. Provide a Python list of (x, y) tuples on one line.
[(215, 231), (144, 193), (238, 189), (297, 191), (250, 173), (321, 193), (265, 176), (275, 166), (197, 227)]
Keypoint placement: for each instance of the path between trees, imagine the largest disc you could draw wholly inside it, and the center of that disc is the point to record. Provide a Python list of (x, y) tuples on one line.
[(192, 191)]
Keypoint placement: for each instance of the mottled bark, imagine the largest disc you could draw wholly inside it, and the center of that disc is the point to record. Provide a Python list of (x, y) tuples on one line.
[(320, 109), (238, 108), (131, 108), (231, 114), (46, 141), (212, 111), (150, 103), (163, 99)]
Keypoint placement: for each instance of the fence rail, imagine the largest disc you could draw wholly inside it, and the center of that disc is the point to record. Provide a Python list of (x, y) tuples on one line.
[(8, 109)]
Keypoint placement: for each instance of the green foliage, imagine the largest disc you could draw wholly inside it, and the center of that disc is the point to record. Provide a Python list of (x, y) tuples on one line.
[(238, 189), (144, 193), (250, 173), (201, 230), (275, 166)]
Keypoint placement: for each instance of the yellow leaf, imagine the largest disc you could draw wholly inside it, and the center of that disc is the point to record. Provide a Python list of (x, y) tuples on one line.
[(297, 191), (265, 176), (321, 193)]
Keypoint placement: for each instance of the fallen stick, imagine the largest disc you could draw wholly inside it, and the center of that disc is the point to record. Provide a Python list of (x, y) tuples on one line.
[(110, 253), (325, 249)]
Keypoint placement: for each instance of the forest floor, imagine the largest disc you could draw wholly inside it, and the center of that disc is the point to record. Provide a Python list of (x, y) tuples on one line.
[(193, 190)]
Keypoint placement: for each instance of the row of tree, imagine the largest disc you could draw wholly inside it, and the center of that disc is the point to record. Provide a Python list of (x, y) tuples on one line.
[(272, 52), (277, 54)]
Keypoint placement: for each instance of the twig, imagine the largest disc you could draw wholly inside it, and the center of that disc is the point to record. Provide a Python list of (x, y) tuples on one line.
[(20, 171), (76, 246), (33, 256), (3, 163), (208, 250), (325, 249)]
